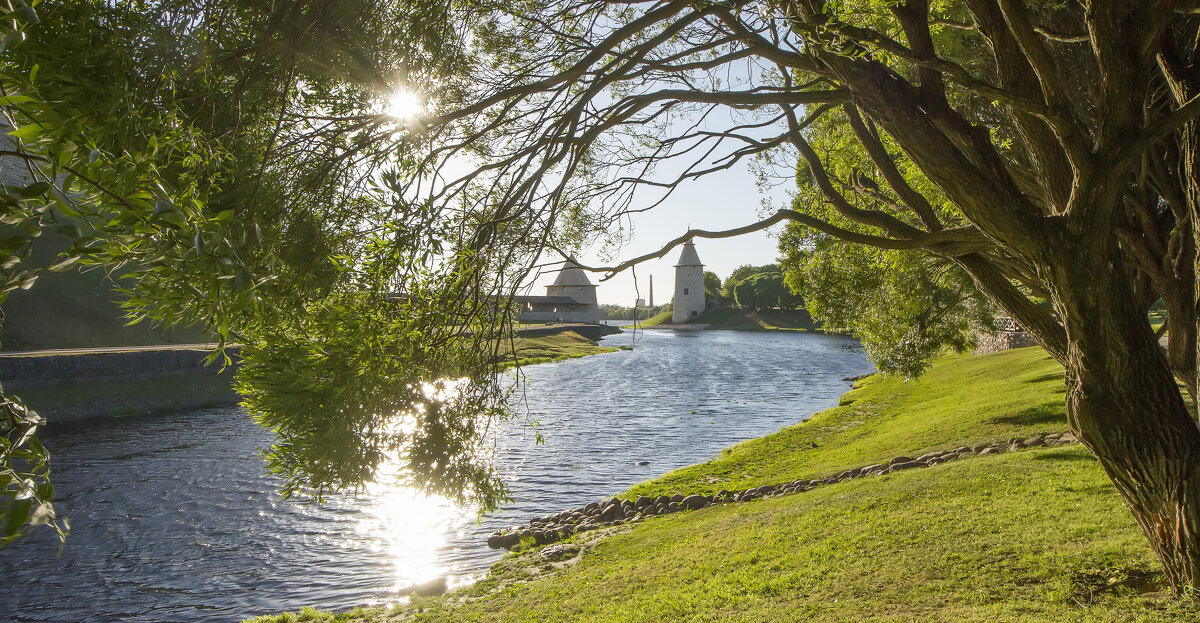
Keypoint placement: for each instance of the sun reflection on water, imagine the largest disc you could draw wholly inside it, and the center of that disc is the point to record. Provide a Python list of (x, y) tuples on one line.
[(411, 529)]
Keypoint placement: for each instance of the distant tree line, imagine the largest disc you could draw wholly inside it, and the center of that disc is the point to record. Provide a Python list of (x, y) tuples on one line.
[(618, 312)]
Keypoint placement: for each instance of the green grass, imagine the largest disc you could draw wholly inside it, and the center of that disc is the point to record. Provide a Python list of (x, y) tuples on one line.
[(963, 400), (1157, 318), (556, 347), (767, 320), (742, 320), (125, 397), (653, 321), (1036, 535)]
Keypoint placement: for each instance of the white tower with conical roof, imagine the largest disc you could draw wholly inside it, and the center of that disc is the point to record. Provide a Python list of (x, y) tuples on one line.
[(689, 286), (572, 282)]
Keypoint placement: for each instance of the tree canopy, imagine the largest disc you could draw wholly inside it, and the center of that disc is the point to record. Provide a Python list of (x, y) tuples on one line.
[(712, 284), (740, 273), (222, 161), (761, 287), (230, 154)]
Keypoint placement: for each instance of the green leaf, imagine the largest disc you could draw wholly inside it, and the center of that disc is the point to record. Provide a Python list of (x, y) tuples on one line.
[(28, 132), (15, 517), (12, 40), (27, 14), (93, 155), (66, 263), (33, 190), (69, 229), (43, 514), (243, 280)]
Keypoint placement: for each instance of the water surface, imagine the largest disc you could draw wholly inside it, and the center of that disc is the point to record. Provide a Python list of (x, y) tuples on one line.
[(175, 519)]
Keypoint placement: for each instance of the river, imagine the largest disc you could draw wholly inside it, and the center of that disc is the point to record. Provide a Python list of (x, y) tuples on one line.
[(174, 517)]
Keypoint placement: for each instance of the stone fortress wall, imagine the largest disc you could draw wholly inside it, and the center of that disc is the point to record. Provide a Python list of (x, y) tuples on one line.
[(1009, 336), (68, 386)]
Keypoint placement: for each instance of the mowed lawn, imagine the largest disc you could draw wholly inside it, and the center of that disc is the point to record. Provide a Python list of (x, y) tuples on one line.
[(1035, 535)]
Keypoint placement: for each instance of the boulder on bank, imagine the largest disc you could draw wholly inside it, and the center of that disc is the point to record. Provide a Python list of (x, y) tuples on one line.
[(436, 586), (615, 511)]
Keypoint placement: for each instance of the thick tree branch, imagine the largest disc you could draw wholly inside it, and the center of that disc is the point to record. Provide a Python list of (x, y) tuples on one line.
[(948, 242), (1172, 121), (891, 174)]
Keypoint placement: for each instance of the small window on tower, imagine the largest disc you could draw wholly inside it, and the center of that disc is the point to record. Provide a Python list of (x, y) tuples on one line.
[(693, 312), (685, 291)]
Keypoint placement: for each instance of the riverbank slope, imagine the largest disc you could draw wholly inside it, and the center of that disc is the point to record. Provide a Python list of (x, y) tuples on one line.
[(734, 319), (545, 344), (1035, 534)]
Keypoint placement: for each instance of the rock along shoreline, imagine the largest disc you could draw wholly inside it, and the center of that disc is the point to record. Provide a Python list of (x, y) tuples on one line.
[(615, 511)]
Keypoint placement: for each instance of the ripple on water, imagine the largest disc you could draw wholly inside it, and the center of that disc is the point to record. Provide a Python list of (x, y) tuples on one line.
[(174, 517)]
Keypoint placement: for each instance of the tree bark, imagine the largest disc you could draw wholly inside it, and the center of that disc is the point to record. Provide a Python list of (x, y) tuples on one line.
[(1124, 405)]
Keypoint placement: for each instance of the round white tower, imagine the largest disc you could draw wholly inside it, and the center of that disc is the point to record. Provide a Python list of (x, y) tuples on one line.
[(689, 286)]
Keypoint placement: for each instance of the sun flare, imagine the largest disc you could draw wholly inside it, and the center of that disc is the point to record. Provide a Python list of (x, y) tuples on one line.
[(404, 104)]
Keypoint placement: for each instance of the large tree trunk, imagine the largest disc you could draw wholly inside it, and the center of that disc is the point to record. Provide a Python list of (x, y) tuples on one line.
[(1123, 404)]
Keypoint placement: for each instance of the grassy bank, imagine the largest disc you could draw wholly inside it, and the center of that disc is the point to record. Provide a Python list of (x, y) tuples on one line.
[(1035, 535), (961, 400), (653, 321), (767, 320), (73, 309), (530, 350), (728, 318)]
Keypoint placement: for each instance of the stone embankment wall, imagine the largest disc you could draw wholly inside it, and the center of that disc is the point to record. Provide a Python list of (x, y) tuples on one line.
[(1002, 340), (35, 369), (590, 331), (96, 383)]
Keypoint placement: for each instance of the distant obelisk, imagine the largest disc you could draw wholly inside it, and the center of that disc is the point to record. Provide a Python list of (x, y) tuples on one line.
[(651, 291)]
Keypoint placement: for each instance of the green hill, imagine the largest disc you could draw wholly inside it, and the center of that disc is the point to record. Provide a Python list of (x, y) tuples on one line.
[(743, 320), (749, 320), (74, 309), (653, 321)]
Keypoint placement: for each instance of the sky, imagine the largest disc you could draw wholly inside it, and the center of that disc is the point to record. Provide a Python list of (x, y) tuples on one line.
[(722, 200), (718, 201)]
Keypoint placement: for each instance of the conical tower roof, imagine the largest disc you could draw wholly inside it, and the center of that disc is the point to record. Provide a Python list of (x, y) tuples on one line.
[(688, 257), (571, 275)]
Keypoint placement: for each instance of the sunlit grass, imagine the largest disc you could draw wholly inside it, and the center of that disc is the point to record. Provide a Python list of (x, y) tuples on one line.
[(653, 321), (960, 400), (531, 350), (766, 320)]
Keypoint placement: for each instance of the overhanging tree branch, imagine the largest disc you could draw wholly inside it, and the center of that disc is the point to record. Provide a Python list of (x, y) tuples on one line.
[(950, 242)]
